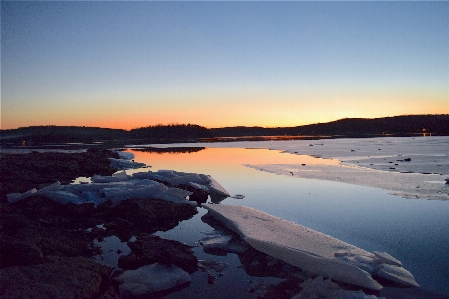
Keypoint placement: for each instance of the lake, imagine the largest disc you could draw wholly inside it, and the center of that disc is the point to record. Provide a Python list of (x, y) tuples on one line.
[(415, 231)]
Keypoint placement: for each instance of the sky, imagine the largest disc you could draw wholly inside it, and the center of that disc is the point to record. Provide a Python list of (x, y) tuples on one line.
[(216, 64)]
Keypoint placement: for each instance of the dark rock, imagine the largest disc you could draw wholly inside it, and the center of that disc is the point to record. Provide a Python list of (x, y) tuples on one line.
[(30, 245), (149, 249), (200, 196), (22, 172), (136, 216), (76, 277)]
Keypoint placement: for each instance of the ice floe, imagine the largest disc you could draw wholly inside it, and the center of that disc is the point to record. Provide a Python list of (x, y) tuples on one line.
[(165, 185), (151, 278), (218, 244), (312, 251), (121, 186), (125, 164), (326, 289)]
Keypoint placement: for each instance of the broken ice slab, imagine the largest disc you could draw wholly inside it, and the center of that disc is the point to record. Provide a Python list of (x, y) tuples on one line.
[(15, 197), (176, 195), (187, 179), (151, 278), (125, 164), (125, 155), (307, 249), (63, 197), (121, 186), (325, 288), (214, 186), (221, 244), (158, 176)]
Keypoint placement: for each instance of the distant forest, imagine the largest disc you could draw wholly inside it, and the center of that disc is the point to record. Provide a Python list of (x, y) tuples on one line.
[(348, 127)]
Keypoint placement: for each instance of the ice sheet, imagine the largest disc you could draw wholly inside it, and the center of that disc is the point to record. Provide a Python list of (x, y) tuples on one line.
[(366, 162), (305, 248), (121, 186)]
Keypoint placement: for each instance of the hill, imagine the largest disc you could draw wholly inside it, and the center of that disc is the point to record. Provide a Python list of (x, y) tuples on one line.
[(349, 127)]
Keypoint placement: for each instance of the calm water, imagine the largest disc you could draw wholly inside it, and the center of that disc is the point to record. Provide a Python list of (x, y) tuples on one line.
[(415, 231)]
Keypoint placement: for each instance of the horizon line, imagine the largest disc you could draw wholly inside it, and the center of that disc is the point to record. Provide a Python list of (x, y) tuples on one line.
[(180, 124)]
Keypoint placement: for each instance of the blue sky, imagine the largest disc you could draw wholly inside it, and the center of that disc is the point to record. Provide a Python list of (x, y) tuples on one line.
[(132, 64)]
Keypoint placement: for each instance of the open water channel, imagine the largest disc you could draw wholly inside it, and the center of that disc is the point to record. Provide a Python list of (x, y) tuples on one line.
[(415, 231)]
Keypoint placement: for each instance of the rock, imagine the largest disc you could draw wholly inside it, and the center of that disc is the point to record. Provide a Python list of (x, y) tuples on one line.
[(149, 249), (136, 216), (22, 172), (69, 278), (151, 278)]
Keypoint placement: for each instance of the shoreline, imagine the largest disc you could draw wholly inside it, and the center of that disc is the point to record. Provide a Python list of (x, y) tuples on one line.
[(98, 233)]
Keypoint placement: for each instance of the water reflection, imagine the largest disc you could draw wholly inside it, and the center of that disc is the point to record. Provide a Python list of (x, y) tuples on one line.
[(414, 231)]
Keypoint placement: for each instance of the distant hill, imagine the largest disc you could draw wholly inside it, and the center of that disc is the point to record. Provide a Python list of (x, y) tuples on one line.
[(351, 127), (348, 127), (61, 134)]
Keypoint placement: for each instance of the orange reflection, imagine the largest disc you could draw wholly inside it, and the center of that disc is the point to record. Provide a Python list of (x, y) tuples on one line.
[(223, 158)]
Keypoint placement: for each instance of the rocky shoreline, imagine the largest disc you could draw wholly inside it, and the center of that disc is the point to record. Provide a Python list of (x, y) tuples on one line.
[(47, 248)]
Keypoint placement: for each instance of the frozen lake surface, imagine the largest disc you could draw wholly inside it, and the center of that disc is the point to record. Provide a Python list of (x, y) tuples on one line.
[(332, 197)]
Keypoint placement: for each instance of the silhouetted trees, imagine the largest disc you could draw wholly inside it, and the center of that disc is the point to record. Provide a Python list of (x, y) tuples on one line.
[(348, 127)]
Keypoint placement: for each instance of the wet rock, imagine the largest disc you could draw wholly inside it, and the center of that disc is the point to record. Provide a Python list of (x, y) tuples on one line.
[(149, 249), (136, 216), (23, 172), (198, 195), (58, 277), (28, 246)]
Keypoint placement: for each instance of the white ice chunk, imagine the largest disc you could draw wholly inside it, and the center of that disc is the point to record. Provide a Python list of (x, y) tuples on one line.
[(326, 289), (116, 195), (150, 175), (11, 197), (396, 274), (151, 278), (125, 155), (53, 187), (167, 173), (385, 258), (186, 179), (63, 197), (15, 197), (122, 176), (176, 195), (215, 186), (297, 245), (224, 243), (104, 179), (125, 164), (200, 187)]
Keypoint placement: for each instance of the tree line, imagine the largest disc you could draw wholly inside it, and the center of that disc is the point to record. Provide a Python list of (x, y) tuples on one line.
[(348, 127)]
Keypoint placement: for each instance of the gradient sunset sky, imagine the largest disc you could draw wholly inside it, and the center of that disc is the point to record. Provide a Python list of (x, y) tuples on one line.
[(133, 64)]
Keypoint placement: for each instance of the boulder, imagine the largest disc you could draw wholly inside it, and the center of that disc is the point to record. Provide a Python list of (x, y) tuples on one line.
[(58, 277), (151, 278)]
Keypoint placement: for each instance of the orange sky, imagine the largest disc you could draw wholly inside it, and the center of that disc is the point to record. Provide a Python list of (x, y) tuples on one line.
[(214, 64)]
